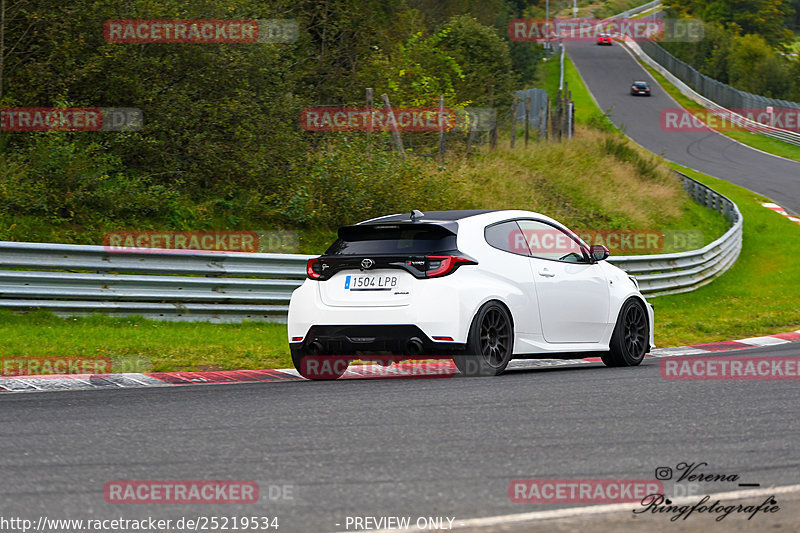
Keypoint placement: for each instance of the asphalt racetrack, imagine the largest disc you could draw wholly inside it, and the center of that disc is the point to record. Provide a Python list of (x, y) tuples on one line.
[(608, 72), (446, 447)]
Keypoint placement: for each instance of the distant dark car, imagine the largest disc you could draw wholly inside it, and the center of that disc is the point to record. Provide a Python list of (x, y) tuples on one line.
[(604, 39), (640, 88)]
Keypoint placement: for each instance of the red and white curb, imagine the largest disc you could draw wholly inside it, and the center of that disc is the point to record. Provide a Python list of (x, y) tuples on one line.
[(437, 369), (778, 209)]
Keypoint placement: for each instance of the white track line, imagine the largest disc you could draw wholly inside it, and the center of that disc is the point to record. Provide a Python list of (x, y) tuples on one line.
[(603, 509), (763, 341)]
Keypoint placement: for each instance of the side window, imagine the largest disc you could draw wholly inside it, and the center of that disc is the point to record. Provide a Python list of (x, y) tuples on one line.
[(508, 237), (549, 242)]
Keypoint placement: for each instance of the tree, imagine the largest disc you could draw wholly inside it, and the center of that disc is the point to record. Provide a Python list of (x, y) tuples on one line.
[(16, 36), (484, 59), (767, 18), (756, 68)]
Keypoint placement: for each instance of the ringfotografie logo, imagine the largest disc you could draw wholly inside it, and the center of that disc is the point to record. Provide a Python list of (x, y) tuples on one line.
[(687, 478)]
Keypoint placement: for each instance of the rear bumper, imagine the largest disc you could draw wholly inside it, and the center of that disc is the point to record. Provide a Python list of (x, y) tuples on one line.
[(393, 339), (438, 309)]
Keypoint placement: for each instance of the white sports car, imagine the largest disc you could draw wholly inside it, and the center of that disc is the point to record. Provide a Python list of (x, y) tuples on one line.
[(481, 286)]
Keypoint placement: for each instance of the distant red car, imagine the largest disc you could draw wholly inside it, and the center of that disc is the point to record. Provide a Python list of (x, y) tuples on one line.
[(604, 39)]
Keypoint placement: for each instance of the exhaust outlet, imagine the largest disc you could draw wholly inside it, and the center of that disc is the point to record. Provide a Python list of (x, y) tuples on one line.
[(414, 346), (315, 348)]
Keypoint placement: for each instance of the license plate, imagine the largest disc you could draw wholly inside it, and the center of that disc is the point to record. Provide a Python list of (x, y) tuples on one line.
[(370, 283)]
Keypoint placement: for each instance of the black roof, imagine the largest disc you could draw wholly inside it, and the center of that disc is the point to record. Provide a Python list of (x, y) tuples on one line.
[(432, 216)]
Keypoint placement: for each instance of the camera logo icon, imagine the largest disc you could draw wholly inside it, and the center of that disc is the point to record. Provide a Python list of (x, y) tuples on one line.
[(663, 473)]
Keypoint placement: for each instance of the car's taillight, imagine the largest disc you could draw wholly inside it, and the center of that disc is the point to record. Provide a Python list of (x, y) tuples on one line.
[(313, 268), (441, 265)]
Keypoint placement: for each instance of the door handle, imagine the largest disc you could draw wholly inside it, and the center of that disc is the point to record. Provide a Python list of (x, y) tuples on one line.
[(546, 273)]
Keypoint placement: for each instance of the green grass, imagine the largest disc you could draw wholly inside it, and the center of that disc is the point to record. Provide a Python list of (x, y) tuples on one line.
[(754, 140), (138, 345), (759, 295), (766, 144)]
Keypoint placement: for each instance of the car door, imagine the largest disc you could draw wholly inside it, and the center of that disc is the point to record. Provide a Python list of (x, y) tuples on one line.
[(572, 292), (510, 262)]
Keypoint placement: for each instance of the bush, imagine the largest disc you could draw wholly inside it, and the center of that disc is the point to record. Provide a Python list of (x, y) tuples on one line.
[(63, 177), (348, 180)]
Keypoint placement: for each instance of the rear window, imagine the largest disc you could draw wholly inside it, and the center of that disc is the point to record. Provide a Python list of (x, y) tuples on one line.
[(402, 239)]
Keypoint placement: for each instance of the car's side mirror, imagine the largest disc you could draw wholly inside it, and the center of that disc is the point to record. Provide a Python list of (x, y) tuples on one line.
[(598, 252)]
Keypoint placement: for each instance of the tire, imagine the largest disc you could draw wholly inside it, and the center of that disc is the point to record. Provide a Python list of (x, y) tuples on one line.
[(490, 342), (631, 338), (318, 367)]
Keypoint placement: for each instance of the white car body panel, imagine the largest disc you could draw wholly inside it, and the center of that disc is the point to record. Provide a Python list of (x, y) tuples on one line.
[(575, 310)]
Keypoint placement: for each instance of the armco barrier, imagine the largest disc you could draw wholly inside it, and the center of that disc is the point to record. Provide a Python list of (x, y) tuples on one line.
[(77, 280), (681, 74), (636, 10), (660, 274), (219, 287)]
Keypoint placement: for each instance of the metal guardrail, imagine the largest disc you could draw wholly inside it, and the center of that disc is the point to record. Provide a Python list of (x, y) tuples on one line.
[(660, 274), (636, 10), (72, 279), (680, 74), (76, 280)]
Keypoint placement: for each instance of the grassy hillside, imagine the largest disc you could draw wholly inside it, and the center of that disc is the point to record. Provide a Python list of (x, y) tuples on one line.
[(597, 181)]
